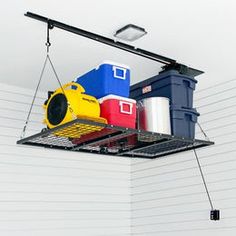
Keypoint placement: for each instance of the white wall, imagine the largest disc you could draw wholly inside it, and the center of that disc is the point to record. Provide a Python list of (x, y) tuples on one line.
[(50, 192), (168, 197)]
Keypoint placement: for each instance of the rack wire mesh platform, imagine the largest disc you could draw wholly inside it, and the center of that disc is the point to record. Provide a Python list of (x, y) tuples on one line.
[(89, 136)]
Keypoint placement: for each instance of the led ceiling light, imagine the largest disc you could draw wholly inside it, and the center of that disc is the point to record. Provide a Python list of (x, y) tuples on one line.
[(130, 32)]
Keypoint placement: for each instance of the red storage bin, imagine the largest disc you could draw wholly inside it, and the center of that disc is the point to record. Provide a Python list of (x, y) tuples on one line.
[(119, 111)]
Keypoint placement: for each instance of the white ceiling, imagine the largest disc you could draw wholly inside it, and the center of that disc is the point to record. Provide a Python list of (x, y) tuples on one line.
[(198, 33)]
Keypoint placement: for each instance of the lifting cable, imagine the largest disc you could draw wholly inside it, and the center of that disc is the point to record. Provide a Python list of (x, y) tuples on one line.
[(204, 133), (203, 179), (34, 97), (214, 214), (47, 59)]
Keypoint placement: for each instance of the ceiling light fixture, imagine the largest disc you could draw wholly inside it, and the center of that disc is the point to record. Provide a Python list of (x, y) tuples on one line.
[(130, 32)]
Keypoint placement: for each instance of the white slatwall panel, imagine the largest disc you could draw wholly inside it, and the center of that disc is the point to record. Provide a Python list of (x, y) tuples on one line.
[(168, 197), (50, 192)]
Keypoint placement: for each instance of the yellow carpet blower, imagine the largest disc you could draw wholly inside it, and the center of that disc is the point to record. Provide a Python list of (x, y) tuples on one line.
[(67, 104)]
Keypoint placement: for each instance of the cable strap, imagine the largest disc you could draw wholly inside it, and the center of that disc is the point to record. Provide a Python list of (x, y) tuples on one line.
[(47, 59), (59, 82), (34, 97), (204, 133)]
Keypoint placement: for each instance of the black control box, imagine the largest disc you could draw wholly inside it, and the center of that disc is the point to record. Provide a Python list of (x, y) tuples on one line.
[(215, 215)]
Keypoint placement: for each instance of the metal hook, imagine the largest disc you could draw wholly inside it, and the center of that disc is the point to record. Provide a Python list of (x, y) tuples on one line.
[(49, 26)]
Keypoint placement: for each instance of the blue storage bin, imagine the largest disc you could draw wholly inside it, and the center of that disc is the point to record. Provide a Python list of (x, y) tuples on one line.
[(183, 121), (107, 78), (177, 87)]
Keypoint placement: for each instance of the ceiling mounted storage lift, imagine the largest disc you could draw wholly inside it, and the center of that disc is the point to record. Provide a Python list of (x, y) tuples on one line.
[(108, 139), (113, 140)]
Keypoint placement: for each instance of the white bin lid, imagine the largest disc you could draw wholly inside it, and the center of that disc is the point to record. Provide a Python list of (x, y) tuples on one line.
[(101, 100)]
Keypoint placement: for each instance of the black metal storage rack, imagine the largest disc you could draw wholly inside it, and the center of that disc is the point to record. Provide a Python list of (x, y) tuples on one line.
[(89, 136), (111, 140), (79, 134)]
